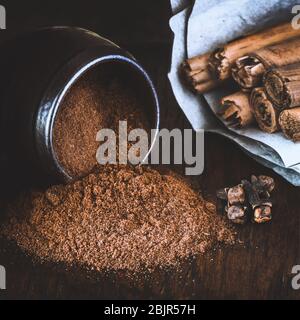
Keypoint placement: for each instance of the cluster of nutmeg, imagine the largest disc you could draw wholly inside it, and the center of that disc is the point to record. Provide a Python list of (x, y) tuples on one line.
[(248, 200)]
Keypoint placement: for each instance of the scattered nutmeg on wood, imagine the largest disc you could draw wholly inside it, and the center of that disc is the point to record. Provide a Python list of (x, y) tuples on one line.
[(249, 198)]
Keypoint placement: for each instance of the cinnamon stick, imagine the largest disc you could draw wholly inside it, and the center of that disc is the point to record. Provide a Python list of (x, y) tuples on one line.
[(222, 59), (197, 75), (289, 121), (237, 110), (282, 86), (196, 64), (265, 113), (248, 70), (205, 86)]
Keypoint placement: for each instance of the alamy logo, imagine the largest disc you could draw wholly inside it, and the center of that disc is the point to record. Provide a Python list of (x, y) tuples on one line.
[(136, 147), (2, 17), (2, 278)]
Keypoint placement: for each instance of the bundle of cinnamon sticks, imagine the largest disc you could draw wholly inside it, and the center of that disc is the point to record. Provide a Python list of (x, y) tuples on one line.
[(266, 66)]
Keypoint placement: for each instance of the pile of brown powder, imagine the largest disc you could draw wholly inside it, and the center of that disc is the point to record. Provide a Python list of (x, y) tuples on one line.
[(92, 103), (117, 219)]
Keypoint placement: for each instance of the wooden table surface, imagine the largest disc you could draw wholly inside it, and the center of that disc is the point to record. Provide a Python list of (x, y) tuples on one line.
[(258, 269)]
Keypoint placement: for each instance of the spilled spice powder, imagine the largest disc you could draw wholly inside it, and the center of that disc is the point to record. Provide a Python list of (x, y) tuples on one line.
[(120, 218), (94, 102)]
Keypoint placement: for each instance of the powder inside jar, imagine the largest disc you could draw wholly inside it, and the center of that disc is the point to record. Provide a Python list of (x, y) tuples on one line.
[(121, 218), (96, 101)]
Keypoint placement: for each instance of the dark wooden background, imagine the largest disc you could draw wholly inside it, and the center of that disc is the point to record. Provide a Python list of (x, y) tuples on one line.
[(258, 269)]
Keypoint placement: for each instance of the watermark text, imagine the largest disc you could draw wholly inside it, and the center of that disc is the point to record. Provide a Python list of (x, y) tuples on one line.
[(2, 17), (2, 278), (296, 278), (159, 147), (296, 19)]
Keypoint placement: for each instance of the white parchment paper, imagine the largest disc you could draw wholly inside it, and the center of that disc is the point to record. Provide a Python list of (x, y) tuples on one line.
[(203, 25)]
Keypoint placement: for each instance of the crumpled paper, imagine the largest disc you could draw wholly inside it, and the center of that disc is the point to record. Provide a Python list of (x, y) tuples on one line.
[(203, 25)]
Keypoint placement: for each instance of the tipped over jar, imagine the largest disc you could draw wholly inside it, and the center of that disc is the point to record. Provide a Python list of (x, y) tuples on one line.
[(59, 86)]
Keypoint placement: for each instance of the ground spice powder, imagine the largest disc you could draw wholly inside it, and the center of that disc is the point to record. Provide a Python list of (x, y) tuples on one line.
[(125, 218), (94, 102)]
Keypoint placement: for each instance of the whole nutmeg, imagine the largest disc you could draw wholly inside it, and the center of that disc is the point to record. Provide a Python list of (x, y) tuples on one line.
[(236, 195), (237, 214), (267, 182), (263, 214)]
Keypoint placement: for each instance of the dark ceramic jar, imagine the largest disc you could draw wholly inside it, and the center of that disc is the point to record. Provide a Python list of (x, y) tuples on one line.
[(37, 69)]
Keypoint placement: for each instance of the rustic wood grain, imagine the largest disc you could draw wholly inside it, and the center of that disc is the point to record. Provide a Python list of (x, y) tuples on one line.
[(260, 268)]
